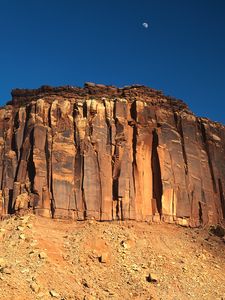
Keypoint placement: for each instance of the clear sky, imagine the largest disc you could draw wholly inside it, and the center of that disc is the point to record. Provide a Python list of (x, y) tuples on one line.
[(60, 42)]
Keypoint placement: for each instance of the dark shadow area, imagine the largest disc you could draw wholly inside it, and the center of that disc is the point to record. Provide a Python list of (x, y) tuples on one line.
[(200, 213), (11, 209), (180, 130), (115, 189), (133, 111), (30, 163), (85, 109), (206, 146), (222, 197), (156, 174)]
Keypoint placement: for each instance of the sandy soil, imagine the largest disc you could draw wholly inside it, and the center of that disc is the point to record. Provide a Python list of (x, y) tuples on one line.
[(49, 259)]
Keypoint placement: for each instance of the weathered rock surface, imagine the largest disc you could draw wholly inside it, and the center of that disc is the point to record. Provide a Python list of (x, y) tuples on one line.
[(107, 153)]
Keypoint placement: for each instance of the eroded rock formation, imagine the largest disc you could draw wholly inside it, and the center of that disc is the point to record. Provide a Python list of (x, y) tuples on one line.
[(107, 153)]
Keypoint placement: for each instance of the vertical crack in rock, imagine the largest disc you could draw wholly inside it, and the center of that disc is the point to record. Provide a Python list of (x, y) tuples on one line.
[(14, 146), (52, 203), (133, 113), (206, 147), (23, 151), (180, 131), (50, 147), (100, 184), (200, 214), (116, 174), (85, 213), (156, 173), (3, 158), (222, 199), (30, 163), (134, 152), (47, 158)]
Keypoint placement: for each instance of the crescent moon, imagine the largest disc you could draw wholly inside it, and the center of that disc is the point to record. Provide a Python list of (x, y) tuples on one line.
[(145, 25)]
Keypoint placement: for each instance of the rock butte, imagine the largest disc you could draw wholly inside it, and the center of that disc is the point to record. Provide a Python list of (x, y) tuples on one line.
[(110, 153)]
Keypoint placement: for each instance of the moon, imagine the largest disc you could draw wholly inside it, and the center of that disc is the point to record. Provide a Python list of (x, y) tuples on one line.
[(145, 25)]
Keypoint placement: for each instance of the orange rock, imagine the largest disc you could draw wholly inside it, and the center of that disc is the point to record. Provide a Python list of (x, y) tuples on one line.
[(108, 153)]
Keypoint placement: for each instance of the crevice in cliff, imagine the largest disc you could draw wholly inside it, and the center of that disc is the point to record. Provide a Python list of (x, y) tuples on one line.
[(133, 113), (100, 184), (222, 199), (47, 159), (13, 142), (49, 147), (109, 133), (179, 127), (156, 173), (115, 184), (11, 208), (82, 187), (26, 135), (3, 158), (77, 150), (200, 215), (85, 109), (75, 114), (115, 188), (206, 147), (52, 202), (49, 117), (116, 173), (30, 163), (134, 144), (134, 153)]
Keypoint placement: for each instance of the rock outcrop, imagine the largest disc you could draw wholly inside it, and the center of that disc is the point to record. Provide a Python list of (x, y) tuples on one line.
[(110, 153)]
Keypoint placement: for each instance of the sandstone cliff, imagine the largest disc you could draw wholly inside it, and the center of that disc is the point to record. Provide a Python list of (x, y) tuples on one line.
[(107, 153)]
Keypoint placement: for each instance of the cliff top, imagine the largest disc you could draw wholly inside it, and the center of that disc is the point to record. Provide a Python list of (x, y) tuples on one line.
[(22, 97), (92, 90)]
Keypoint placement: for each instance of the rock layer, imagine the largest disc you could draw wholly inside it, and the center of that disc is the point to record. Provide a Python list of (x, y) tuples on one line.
[(110, 153)]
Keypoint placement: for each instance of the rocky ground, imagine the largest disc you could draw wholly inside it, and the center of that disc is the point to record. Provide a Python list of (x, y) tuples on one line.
[(49, 259)]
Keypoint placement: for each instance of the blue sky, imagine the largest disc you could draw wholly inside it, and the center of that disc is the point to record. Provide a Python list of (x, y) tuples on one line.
[(60, 42)]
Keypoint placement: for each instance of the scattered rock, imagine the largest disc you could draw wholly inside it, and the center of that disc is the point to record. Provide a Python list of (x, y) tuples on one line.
[(126, 244), (54, 294), (22, 236), (104, 257), (5, 270), (20, 228), (26, 270), (85, 284), (152, 277), (217, 230), (35, 287), (42, 255)]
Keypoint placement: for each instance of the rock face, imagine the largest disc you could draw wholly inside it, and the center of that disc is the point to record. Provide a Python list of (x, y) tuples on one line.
[(107, 153)]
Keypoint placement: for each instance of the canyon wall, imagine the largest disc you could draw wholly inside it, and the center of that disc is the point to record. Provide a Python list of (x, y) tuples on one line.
[(110, 153)]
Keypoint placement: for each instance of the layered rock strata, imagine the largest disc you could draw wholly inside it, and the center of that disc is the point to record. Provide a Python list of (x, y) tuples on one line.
[(110, 153)]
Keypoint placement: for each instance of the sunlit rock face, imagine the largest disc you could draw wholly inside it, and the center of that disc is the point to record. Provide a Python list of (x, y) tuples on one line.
[(110, 153)]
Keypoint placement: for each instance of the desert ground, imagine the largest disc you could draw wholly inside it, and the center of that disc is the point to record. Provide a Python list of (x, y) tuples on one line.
[(45, 259)]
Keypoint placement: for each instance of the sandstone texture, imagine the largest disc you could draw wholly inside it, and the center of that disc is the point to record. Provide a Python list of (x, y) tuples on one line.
[(106, 153)]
